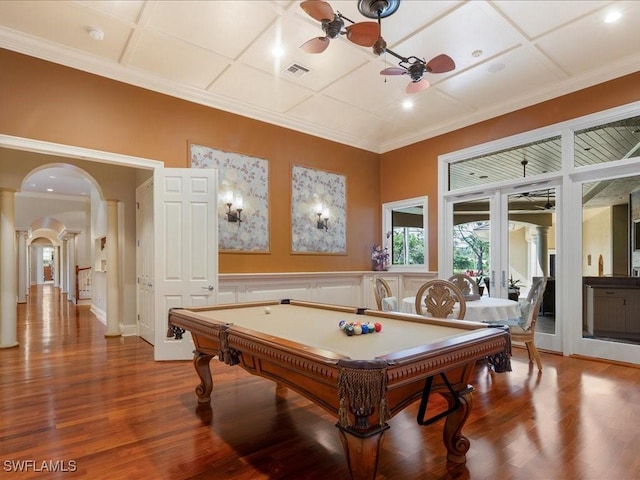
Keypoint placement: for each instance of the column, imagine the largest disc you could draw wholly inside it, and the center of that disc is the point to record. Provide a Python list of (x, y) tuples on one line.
[(8, 262), (56, 266), (542, 243), (113, 275), (64, 267), (22, 265), (71, 268)]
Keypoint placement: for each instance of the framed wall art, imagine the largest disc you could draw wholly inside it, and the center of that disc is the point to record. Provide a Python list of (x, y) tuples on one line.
[(243, 192), (318, 211)]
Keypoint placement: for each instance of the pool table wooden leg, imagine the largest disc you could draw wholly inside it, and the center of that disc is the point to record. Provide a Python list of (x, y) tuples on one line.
[(362, 451), (457, 444), (201, 363)]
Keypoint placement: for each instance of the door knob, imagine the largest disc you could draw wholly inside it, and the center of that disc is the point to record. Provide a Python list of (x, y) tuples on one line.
[(210, 288)]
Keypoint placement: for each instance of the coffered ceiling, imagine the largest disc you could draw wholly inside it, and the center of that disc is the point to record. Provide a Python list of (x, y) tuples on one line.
[(508, 54)]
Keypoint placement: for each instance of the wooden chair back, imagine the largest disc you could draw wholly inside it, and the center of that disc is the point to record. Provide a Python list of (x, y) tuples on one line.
[(467, 285), (381, 289), (440, 298)]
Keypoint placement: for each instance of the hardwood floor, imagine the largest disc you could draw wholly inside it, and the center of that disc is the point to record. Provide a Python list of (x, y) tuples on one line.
[(103, 409)]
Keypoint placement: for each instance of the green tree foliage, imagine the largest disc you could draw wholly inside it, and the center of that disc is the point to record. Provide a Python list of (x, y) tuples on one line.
[(470, 252)]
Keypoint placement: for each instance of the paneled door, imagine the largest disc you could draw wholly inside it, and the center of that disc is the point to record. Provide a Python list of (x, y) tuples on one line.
[(145, 262), (186, 250)]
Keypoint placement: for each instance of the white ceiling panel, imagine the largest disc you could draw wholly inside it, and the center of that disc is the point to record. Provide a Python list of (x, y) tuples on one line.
[(537, 18), (177, 61), (329, 113), (367, 89), (589, 42), (337, 60), (502, 79), (227, 28), (255, 87), (128, 11), (69, 28), (471, 27), (218, 52)]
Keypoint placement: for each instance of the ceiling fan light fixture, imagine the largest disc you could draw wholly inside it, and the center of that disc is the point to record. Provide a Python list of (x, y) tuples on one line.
[(378, 8)]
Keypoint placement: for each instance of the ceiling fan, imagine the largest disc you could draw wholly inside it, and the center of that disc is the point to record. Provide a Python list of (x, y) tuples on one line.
[(368, 34), (416, 68), (364, 34)]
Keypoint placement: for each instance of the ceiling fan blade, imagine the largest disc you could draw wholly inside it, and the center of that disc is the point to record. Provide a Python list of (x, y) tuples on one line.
[(364, 34), (315, 45), (441, 64), (393, 71), (415, 87), (318, 9)]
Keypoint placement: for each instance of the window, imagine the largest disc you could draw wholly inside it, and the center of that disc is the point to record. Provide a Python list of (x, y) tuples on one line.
[(405, 227)]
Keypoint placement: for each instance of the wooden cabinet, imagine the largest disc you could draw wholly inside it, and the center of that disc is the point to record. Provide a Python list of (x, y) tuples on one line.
[(613, 311)]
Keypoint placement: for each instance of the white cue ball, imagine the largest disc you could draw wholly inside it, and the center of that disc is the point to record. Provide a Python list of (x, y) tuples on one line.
[(267, 310)]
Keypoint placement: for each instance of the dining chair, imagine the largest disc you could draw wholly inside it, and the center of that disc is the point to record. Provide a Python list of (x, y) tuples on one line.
[(467, 285), (384, 296), (438, 298), (523, 329)]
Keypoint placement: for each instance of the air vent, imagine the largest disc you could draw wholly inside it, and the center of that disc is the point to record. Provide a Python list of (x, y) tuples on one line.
[(296, 70)]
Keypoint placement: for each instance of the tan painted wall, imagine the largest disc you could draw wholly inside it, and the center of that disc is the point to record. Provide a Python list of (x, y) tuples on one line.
[(412, 171), (49, 102)]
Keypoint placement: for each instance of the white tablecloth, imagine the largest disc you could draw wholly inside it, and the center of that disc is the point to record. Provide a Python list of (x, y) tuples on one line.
[(487, 309)]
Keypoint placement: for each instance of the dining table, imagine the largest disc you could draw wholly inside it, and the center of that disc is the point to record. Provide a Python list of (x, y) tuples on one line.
[(485, 309)]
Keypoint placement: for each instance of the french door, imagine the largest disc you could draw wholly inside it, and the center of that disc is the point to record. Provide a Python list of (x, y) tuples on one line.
[(506, 239)]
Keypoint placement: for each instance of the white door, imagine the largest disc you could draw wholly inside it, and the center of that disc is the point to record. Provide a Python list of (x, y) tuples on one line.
[(515, 223), (145, 261), (186, 250)]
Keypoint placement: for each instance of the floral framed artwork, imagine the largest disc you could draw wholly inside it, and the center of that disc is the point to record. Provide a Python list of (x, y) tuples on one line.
[(318, 211), (243, 190)]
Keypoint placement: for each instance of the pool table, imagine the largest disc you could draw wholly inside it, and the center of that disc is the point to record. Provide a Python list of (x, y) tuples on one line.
[(364, 380)]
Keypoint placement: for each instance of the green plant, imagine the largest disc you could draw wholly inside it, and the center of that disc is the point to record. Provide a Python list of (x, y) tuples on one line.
[(515, 284)]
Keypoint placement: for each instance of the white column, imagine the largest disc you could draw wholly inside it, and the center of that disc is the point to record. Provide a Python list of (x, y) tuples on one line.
[(543, 249), (37, 251), (64, 267), (56, 266), (71, 268), (8, 283), (113, 274), (22, 265)]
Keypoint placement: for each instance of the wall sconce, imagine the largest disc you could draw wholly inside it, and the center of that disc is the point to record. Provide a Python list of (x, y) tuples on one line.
[(228, 200), (323, 223)]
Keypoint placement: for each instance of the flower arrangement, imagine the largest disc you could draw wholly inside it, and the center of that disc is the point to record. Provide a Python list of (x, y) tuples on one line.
[(379, 258)]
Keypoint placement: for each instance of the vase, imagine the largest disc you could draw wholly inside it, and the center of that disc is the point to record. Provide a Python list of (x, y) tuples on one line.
[(379, 265)]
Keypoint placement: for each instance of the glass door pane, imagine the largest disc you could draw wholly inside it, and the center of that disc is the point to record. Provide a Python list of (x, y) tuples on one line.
[(472, 241), (531, 249), (611, 260)]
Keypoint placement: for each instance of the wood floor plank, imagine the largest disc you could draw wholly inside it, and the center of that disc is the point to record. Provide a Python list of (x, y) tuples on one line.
[(69, 394)]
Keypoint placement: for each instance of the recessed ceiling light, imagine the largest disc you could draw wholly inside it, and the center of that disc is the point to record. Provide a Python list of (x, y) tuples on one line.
[(95, 33), (49, 189), (52, 176), (407, 104), (476, 53), (277, 51), (613, 16)]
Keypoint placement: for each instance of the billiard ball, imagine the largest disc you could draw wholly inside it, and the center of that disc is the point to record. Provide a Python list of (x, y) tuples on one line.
[(371, 327), (365, 328), (378, 326), (267, 310), (342, 324), (348, 329), (357, 329)]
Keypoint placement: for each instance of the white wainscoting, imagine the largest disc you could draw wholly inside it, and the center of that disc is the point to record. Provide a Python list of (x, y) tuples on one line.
[(336, 288)]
